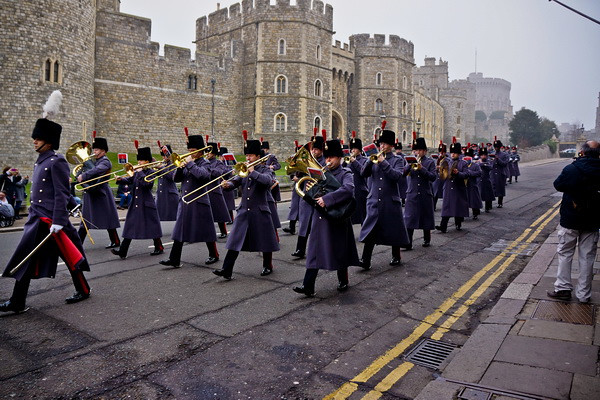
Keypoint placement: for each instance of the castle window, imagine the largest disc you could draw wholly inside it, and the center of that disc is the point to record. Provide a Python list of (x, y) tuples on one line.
[(404, 136), (282, 48), (318, 87), (318, 52), (459, 105), (318, 123), (378, 79), (404, 83), (47, 70), (56, 71), (458, 133), (421, 83), (280, 123), (192, 82), (458, 119), (379, 105), (404, 108), (281, 84)]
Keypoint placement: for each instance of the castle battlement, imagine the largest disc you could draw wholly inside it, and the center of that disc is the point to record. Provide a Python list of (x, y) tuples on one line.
[(250, 11), (365, 45), (477, 77), (339, 48)]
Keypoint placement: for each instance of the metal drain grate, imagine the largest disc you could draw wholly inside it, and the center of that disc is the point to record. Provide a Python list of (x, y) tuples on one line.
[(501, 245), (430, 353), (573, 313), (474, 394)]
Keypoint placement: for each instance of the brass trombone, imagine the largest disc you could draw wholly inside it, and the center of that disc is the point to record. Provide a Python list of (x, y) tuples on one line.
[(239, 169), (128, 168), (177, 160)]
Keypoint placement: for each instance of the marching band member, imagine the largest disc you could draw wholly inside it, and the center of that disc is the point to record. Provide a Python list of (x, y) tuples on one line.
[(357, 161), (50, 193), (326, 235), (99, 208), (498, 172), (485, 184), (402, 183), (516, 172), (384, 223), (418, 213), (438, 184), (228, 195), (194, 221), (167, 195), (142, 220), (455, 191), (253, 228), (305, 210), (474, 173), (217, 200), (293, 214), (273, 165)]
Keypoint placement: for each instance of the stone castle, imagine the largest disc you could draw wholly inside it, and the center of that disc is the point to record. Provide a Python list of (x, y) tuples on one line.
[(268, 68)]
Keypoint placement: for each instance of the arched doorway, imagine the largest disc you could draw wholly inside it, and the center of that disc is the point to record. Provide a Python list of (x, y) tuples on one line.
[(337, 126)]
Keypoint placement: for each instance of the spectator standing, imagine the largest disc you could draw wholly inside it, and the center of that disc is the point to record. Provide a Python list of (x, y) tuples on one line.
[(20, 194)]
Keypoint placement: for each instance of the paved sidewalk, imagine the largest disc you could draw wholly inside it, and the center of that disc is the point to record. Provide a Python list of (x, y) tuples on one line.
[(530, 346)]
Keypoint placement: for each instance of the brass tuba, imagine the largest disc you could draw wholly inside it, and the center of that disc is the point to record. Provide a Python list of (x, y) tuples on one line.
[(77, 154), (301, 161), (444, 167)]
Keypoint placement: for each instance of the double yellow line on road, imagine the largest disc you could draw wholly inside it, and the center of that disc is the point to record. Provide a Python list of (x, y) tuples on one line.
[(348, 388)]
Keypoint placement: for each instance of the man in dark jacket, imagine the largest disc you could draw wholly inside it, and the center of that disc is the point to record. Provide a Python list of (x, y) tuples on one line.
[(579, 222)]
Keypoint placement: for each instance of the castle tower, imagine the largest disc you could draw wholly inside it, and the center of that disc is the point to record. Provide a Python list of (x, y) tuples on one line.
[(383, 85), (598, 117), (286, 65), (45, 46)]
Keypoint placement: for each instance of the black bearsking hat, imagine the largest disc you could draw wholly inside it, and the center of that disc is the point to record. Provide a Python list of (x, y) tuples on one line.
[(48, 131), (265, 145), (498, 143), (144, 154), (214, 148), (469, 152), (100, 143), (223, 150), (333, 149), (252, 147), (195, 142), (456, 148), (419, 144), (388, 137), (398, 146), (318, 143), (442, 148), (356, 143), (483, 151)]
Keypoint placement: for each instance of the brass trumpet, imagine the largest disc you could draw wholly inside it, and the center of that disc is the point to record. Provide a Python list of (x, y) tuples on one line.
[(128, 168), (417, 165), (375, 157), (239, 169), (177, 160)]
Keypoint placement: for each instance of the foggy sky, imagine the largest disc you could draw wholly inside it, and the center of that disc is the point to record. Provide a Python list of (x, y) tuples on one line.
[(550, 55)]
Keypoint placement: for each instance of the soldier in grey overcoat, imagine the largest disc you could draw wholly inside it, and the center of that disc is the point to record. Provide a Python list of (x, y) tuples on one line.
[(485, 184), (142, 220), (194, 221), (384, 224), (228, 195), (456, 203), (515, 158), (474, 172), (273, 165), (438, 184), (418, 212), (361, 191), (50, 193), (498, 172), (253, 228), (331, 246), (167, 195), (293, 213), (99, 207), (216, 198), (403, 182)]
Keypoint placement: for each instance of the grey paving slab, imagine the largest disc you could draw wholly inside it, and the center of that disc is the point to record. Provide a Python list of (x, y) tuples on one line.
[(548, 353), (525, 277), (517, 291), (472, 360), (583, 334), (505, 311), (527, 379), (438, 389), (585, 387)]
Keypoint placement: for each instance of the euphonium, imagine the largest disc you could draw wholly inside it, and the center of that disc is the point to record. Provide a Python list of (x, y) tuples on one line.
[(77, 154), (444, 169), (301, 161)]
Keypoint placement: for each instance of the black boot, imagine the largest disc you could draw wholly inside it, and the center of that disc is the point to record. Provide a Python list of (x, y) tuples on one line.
[(213, 254), (158, 247), (174, 259), (114, 239), (300, 247), (122, 250)]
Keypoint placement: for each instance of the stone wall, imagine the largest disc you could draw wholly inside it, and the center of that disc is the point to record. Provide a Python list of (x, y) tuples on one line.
[(30, 33), (541, 152)]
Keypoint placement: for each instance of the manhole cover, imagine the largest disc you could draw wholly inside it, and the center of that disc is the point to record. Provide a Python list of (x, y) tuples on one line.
[(430, 353), (501, 245), (474, 394), (573, 313)]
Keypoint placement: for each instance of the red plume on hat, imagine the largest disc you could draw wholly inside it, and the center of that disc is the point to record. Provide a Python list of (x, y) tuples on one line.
[(206, 136), (396, 140), (245, 136), (158, 143), (453, 139), (136, 144), (295, 144), (315, 130), (324, 134), (468, 144), (342, 142), (383, 124), (93, 134), (261, 139), (441, 142), (414, 135), (495, 138), (187, 134), (353, 134)]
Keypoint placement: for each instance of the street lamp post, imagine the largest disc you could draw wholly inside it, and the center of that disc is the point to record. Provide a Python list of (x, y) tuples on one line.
[(213, 81)]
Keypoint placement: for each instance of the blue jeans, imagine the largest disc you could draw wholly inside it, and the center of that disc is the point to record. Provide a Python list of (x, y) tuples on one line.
[(125, 200)]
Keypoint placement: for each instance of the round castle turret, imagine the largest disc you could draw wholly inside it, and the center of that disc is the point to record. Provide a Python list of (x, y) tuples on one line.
[(44, 46)]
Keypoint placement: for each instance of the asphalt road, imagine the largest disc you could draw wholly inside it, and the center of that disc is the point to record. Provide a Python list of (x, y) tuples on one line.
[(151, 332)]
